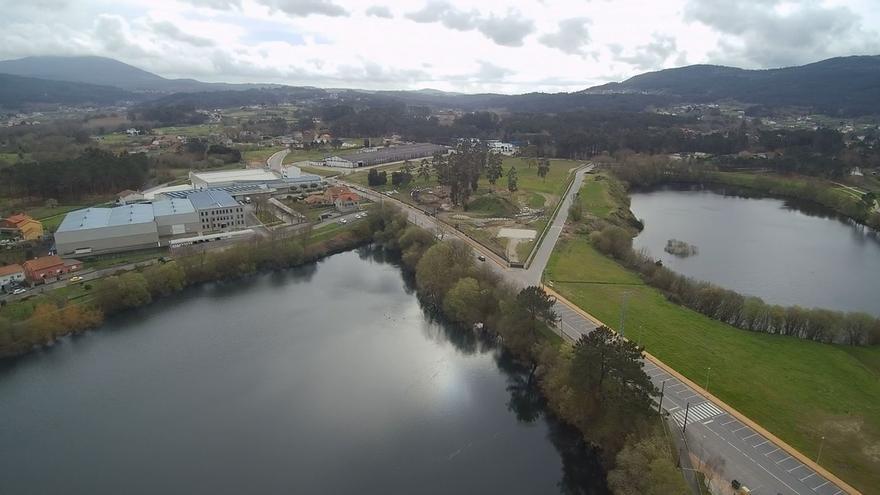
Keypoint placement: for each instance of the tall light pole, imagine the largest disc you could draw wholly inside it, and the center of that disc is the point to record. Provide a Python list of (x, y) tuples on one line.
[(821, 444)]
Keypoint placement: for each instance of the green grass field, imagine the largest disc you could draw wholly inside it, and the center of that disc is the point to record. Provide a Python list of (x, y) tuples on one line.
[(201, 130), (260, 154), (303, 155), (797, 389)]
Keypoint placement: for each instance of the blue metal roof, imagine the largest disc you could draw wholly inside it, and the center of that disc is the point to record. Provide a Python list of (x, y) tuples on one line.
[(212, 198), (94, 218), (173, 206)]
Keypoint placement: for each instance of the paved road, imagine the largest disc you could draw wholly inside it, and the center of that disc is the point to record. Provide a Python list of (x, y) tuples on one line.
[(712, 433), (275, 161)]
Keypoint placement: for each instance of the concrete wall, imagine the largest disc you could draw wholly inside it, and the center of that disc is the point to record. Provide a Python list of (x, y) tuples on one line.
[(189, 222), (108, 239)]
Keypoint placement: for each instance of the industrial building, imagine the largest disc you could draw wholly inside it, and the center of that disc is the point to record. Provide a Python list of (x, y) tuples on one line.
[(379, 156), (175, 217), (106, 230), (125, 228), (288, 179), (217, 210)]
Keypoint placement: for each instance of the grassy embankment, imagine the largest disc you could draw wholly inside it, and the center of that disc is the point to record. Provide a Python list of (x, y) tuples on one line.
[(493, 201), (798, 390)]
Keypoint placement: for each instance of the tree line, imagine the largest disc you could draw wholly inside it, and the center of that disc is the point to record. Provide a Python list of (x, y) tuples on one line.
[(598, 384), (95, 171), (744, 312), (55, 317), (646, 171)]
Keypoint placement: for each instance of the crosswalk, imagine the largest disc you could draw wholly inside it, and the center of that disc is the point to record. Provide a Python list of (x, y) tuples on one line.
[(699, 412)]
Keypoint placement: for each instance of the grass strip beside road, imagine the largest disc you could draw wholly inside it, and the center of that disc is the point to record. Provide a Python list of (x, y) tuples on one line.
[(798, 390)]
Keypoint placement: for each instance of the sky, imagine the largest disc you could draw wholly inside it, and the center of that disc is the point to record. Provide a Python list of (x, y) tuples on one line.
[(486, 46)]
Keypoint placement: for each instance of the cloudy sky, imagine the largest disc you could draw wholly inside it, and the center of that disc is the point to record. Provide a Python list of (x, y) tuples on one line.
[(490, 45)]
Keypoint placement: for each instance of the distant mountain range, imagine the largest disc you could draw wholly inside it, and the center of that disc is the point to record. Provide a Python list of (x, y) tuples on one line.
[(838, 86), (843, 85), (23, 92), (108, 72)]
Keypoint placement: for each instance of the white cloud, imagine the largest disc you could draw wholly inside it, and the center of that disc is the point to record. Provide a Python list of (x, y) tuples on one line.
[(379, 11), (573, 37), (457, 45)]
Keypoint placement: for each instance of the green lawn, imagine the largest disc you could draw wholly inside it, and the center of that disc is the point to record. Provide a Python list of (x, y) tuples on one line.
[(23, 308), (311, 155), (594, 196), (200, 130), (260, 154), (797, 389)]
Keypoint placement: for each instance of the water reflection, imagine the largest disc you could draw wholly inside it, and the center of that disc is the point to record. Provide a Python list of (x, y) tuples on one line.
[(271, 384), (785, 251)]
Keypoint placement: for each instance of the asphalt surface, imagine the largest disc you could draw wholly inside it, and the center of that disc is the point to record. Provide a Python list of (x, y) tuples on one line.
[(274, 162), (733, 449)]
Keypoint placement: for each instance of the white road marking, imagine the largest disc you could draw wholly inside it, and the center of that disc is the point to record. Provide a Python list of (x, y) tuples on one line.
[(772, 451), (750, 436), (731, 421), (700, 412), (762, 443), (808, 476), (783, 459), (820, 486)]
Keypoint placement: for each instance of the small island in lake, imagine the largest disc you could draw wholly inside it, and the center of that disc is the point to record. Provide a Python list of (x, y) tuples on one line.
[(680, 248)]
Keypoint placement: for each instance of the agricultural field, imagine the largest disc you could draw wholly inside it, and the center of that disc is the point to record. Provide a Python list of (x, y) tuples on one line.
[(799, 390)]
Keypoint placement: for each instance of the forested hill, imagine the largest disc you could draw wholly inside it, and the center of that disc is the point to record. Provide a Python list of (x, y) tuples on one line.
[(18, 93), (837, 86), (107, 72)]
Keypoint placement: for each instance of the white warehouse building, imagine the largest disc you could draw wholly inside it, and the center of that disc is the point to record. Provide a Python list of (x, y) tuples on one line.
[(124, 228)]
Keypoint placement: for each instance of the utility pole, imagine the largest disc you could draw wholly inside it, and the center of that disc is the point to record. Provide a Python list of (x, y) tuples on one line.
[(685, 422), (660, 404)]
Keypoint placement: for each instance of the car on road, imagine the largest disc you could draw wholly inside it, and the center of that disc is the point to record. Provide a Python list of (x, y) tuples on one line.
[(343, 221), (481, 258), (76, 279), (18, 291)]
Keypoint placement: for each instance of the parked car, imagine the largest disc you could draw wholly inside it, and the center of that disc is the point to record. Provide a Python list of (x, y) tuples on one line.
[(343, 221), (18, 291), (76, 279), (481, 258)]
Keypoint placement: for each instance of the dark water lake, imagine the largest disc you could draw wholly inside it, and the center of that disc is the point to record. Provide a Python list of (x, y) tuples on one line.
[(782, 251), (330, 378)]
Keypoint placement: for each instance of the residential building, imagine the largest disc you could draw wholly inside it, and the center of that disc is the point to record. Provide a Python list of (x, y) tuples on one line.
[(23, 226), (501, 147), (48, 268), (10, 274), (217, 210), (346, 202)]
